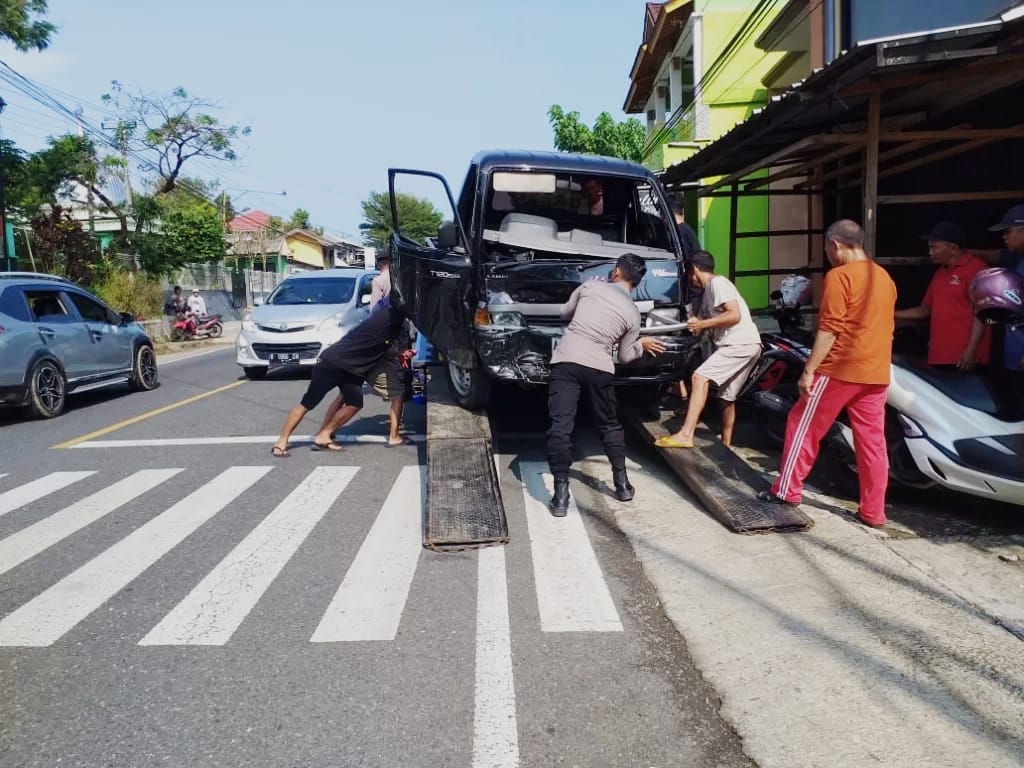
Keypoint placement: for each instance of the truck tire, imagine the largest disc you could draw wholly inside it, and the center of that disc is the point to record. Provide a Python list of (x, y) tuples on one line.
[(471, 387)]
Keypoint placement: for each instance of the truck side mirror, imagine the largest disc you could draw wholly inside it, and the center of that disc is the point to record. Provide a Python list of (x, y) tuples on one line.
[(447, 236)]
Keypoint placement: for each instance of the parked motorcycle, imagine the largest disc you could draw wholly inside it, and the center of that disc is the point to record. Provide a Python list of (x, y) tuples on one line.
[(772, 386), (188, 327), (946, 428)]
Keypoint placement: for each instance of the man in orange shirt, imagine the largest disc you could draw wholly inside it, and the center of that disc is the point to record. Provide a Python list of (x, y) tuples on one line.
[(848, 368), (956, 337)]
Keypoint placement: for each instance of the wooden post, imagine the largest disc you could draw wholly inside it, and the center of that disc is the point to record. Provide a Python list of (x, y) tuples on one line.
[(734, 204), (871, 173)]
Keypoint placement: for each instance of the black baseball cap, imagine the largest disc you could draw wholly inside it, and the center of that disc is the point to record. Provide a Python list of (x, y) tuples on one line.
[(1012, 218), (947, 232)]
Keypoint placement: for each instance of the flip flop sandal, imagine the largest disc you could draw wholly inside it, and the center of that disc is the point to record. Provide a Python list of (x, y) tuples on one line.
[(329, 446), (667, 441), (279, 453), (406, 440)]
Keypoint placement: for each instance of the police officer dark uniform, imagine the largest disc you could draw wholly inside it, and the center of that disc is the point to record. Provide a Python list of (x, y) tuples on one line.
[(600, 315)]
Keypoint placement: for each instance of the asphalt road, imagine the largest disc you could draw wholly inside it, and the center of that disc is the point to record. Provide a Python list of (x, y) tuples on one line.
[(170, 594)]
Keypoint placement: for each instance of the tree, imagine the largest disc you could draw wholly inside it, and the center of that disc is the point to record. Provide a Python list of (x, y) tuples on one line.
[(300, 219), (177, 126), (418, 217), (18, 26), (177, 228), (608, 137), (61, 247)]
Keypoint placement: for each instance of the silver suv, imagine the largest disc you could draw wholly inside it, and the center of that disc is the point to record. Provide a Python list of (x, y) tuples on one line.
[(57, 339)]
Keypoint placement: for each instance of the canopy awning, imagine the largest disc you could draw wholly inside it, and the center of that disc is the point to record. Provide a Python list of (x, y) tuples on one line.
[(937, 94)]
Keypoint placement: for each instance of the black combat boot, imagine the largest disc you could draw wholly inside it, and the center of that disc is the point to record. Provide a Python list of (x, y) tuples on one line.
[(624, 490), (560, 501)]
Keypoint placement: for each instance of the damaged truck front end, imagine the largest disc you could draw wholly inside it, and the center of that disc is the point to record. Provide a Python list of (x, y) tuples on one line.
[(526, 231), (520, 326)]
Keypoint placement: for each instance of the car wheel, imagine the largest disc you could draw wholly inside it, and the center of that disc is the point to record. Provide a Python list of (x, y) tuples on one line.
[(216, 330), (471, 387), (145, 376), (255, 372), (47, 390)]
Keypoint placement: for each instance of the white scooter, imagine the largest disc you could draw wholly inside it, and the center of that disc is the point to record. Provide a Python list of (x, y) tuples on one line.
[(944, 428)]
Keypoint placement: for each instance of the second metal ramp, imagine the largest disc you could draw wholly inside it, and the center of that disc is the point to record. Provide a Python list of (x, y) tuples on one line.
[(725, 484)]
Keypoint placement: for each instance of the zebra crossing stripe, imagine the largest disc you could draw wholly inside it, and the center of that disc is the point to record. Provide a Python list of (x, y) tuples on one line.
[(369, 603), (49, 616), (37, 489), (571, 591), (495, 732), (30, 541), (214, 610)]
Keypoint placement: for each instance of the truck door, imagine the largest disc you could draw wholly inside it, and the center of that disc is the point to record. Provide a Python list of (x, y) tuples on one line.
[(432, 272)]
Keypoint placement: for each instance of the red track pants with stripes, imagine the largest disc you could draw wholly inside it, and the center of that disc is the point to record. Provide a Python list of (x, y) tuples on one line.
[(809, 422)]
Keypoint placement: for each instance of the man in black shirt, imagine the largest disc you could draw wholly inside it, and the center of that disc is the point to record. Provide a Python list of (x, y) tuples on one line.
[(360, 356), (687, 237), (690, 245)]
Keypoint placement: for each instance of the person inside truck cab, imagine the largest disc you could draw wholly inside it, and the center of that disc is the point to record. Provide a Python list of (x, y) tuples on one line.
[(592, 202)]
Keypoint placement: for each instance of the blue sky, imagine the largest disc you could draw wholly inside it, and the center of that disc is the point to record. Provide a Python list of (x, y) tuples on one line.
[(338, 91)]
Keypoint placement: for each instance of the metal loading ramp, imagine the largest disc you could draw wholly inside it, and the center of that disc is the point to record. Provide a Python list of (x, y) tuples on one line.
[(725, 484), (464, 509)]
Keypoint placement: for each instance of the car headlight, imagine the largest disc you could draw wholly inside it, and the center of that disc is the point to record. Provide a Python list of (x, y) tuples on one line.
[(332, 322), (248, 324), (508, 319)]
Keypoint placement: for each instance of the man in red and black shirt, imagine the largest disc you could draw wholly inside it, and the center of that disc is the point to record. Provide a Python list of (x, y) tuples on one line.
[(956, 338)]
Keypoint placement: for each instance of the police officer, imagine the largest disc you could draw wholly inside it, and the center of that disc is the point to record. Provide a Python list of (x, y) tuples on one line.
[(600, 315)]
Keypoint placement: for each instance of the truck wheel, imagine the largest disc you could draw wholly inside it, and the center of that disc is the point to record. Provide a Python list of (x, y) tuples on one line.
[(145, 375), (255, 372), (47, 390), (471, 387)]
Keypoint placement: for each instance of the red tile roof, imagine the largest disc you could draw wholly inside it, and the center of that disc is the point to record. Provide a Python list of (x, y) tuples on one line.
[(248, 221)]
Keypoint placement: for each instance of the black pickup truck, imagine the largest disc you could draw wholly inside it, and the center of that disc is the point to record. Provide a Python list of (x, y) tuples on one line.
[(527, 229)]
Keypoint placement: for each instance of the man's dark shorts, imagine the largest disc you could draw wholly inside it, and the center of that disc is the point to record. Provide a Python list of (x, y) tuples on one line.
[(327, 377)]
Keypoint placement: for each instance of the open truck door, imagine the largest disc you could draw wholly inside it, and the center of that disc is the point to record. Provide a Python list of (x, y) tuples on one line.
[(432, 274)]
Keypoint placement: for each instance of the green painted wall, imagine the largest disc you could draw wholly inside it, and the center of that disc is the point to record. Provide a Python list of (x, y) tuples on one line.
[(732, 91)]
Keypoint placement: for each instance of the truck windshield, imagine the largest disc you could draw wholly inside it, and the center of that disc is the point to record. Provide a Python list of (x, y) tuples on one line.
[(572, 211), (314, 290)]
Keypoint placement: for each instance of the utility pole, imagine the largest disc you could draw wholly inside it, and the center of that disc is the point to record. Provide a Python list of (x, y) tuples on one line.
[(122, 131), (8, 266)]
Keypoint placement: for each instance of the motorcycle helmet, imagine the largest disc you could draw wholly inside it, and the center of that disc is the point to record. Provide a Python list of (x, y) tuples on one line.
[(997, 296)]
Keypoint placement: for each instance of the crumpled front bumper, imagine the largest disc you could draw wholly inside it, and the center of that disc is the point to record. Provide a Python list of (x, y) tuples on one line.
[(523, 355)]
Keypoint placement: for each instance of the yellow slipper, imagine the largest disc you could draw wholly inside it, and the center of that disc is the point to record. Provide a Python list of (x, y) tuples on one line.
[(668, 441)]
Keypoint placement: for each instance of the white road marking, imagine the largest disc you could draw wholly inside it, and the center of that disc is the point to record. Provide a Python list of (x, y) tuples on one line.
[(571, 591), (3, 475), (369, 603), (30, 541), (162, 442), (161, 361), (213, 611), (49, 616), (495, 731), (37, 489)]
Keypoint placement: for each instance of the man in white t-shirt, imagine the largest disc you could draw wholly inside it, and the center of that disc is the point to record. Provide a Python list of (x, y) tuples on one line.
[(725, 316)]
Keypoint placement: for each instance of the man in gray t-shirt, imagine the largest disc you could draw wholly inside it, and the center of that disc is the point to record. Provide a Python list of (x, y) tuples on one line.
[(726, 318), (601, 315)]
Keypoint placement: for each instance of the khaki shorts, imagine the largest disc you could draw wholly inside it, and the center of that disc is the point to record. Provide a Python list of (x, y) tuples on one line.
[(729, 367)]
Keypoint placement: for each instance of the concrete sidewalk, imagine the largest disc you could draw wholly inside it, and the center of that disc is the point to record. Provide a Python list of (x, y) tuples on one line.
[(839, 646)]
